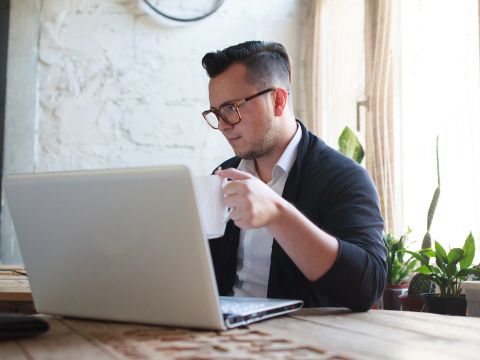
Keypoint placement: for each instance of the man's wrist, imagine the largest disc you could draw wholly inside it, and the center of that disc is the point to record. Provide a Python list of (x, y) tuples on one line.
[(281, 210)]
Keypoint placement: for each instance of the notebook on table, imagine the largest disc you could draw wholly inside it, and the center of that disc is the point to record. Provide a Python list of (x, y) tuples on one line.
[(123, 245)]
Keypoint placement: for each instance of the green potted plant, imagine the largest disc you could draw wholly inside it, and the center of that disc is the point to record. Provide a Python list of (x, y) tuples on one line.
[(448, 272), (419, 284), (398, 270)]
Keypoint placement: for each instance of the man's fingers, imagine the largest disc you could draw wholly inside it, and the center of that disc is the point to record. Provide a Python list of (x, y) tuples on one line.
[(233, 174), (232, 201), (234, 188)]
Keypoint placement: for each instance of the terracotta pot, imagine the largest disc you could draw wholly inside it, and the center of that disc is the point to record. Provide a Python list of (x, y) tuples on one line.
[(411, 303), (447, 305), (391, 295)]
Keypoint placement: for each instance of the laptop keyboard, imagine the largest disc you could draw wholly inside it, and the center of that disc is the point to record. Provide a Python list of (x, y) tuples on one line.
[(239, 311), (241, 306)]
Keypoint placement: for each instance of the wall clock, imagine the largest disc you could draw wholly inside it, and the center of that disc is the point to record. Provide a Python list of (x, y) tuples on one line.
[(184, 10)]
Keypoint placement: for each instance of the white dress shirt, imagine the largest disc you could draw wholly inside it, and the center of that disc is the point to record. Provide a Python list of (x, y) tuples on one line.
[(255, 247)]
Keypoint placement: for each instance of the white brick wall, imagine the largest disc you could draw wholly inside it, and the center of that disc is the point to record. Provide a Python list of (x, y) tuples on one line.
[(118, 88)]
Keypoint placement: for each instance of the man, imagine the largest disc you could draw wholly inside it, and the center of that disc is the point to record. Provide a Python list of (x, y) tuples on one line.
[(305, 220)]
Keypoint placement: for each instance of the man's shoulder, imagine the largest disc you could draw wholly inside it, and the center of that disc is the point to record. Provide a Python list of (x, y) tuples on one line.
[(323, 162), (317, 153), (329, 174)]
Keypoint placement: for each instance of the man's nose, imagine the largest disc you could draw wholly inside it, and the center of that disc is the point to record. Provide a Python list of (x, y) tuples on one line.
[(223, 125)]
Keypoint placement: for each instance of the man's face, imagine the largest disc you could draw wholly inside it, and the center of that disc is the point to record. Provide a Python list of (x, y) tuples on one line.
[(256, 135)]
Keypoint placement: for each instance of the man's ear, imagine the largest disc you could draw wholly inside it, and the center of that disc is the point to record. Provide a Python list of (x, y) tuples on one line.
[(281, 98)]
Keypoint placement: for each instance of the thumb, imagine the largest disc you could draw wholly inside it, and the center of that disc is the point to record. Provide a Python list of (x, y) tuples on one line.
[(234, 174)]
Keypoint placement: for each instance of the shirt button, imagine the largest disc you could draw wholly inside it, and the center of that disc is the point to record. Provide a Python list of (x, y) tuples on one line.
[(247, 264)]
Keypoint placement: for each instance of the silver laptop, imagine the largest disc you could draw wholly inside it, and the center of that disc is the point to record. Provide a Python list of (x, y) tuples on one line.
[(123, 245)]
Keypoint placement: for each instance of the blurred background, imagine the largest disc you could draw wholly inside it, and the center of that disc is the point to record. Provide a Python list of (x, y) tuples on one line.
[(90, 84)]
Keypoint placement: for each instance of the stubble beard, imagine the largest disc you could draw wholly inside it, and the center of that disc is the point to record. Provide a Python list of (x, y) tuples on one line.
[(262, 145)]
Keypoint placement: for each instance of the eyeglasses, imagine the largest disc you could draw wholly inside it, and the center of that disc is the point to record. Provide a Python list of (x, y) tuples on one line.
[(229, 112)]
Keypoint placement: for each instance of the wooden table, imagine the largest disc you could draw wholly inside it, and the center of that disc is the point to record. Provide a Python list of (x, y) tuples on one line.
[(15, 294), (307, 334)]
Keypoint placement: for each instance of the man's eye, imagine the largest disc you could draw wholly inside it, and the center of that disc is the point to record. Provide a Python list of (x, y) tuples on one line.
[(227, 109)]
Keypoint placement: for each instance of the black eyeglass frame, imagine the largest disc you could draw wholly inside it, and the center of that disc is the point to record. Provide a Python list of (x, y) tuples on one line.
[(236, 104)]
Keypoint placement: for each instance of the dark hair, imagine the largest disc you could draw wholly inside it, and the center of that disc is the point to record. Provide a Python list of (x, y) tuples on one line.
[(266, 62)]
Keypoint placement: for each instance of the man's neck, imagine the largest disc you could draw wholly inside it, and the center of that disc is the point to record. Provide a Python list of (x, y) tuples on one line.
[(265, 164)]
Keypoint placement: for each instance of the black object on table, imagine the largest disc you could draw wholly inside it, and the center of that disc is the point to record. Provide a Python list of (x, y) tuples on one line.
[(13, 325)]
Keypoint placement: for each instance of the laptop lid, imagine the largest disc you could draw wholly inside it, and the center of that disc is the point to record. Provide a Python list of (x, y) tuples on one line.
[(123, 245)]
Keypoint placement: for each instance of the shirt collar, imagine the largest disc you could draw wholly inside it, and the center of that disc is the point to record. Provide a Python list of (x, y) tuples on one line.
[(290, 154)]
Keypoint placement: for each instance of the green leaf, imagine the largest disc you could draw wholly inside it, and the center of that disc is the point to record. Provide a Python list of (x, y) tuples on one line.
[(440, 257), (462, 274), (427, 241), (455, 255), (410, 266), (451, 270), (440, 263), (424, 269), (429, 252), (432, 207), (424, 259), (469, 249), (440, 252), (350, 146), (396, 246), (476, 272)]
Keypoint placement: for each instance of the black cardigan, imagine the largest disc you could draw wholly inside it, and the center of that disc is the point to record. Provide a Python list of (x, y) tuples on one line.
[(338, 196)]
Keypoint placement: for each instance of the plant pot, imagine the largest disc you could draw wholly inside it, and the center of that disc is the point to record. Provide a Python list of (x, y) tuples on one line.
[(447, 305), (472, 293), (391, 295), (411, 303)]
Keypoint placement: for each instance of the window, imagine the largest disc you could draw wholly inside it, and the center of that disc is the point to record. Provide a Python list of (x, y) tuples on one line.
[(342, 68), (440, 95), (417, 64)]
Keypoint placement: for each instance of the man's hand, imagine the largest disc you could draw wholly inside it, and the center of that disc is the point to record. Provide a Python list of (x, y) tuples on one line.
[(253, 203)]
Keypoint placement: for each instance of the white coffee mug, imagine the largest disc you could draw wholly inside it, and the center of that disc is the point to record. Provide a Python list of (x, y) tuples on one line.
[(210, 200)]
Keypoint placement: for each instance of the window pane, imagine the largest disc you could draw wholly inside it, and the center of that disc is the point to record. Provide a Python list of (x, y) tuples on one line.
[(342, 67), (440, 95)]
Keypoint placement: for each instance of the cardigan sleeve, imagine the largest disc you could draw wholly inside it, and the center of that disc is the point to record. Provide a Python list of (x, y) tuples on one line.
[(352, 214)]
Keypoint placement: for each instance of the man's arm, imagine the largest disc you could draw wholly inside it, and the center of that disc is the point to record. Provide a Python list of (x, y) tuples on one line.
[(255, 205), (349, 268)]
